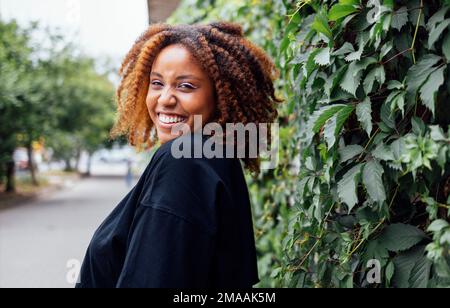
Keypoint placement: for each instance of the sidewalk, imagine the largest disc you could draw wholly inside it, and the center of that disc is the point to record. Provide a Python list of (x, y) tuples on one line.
[(44, 240), (25, 192)]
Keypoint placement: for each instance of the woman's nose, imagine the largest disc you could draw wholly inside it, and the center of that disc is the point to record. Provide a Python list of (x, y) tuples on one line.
[(167, 97)]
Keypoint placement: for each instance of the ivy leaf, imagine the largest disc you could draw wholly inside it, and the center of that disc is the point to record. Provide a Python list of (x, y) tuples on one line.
[(352, 77), (373, 181), (364, 113), (400, 237), (375, 250), (323, 57), (446, 47), (397, 99), (354, 56), (321, 25), (350, 81), (302, 186), (339, 11), (400, 18), (437, 18), (321, 116), (395, 84), (342, 117), (436, 133), (398, 148), (429, 89), (285, 43), (438, 225), (383, 152), (349, 152), (387, 117), (418, 73), (418, 126), (404, 264), (329, 131), (311, 63), (345, 49), (377, 74), (390, 268), (385, 50), (347, 187), (336, 78), (420, 273), (334, 126), (436, 33), (361, 45)]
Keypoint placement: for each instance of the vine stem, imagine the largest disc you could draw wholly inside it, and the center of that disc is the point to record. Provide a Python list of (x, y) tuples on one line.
[(375, 229), (368, 143), (444, 206), (308, 253), (415, 32), (393, 198), (414, 8), (363, 241), (319, 239), (300, 5), (397, 55)]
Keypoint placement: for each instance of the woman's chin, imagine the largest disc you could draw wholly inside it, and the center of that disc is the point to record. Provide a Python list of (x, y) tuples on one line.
[(166, 137)]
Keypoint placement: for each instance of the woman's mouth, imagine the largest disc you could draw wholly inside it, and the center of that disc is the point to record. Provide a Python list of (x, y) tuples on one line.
[(167, 120)]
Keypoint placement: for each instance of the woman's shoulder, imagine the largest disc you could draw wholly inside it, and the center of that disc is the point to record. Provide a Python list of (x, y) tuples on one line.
[(190, 155), (185, 186)]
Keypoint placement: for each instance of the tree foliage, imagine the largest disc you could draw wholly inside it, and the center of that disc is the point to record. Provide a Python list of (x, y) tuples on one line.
[(51, 93)]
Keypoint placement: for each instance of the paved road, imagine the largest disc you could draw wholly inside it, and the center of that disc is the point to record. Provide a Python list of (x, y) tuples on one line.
[(39, 238)]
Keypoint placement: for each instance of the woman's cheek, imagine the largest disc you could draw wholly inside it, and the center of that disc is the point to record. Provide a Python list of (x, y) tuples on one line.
[(194, 104), (150, 101)]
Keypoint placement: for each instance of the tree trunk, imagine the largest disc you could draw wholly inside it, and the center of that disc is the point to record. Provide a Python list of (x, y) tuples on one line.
[(68, 165), (2, 174), (10, 177), (77, 160), (31, 164), (89, 164)]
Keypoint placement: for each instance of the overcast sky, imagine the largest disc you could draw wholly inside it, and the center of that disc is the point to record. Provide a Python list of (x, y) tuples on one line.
[(102, 27)]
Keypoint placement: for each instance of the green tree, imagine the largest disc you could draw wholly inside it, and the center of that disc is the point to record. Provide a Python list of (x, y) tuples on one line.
[(85, 111), (50, 91), (14, 61)]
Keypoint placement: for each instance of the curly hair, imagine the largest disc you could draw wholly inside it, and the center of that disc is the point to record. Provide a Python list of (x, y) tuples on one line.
[(241, 72)]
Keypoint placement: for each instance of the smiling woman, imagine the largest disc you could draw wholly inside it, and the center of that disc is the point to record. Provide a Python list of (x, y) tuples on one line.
[(231, 81), (188, 222), (179, 89)]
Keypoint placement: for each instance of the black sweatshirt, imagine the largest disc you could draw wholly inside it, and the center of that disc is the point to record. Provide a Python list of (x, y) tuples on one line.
[(186, 224)]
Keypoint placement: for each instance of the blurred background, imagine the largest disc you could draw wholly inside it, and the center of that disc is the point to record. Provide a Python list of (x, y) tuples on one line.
[(60, 174)]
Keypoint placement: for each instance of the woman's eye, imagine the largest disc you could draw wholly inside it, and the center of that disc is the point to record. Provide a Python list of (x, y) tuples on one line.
[(157, 83), (187, 86)]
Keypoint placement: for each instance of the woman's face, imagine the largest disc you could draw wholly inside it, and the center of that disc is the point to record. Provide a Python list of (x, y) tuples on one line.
[(179, 89)]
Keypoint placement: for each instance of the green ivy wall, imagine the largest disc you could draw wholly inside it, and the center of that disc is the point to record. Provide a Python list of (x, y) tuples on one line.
[(365, 147)]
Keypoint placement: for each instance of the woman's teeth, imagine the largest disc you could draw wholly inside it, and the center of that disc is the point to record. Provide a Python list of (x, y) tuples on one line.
[(170, 119)]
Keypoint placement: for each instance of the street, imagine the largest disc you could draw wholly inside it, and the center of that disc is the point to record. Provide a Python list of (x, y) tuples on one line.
[(42, 242)]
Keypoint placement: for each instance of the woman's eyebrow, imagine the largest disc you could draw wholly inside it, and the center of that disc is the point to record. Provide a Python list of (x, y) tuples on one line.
[(187, 77), (179, 77), (156, 74)]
